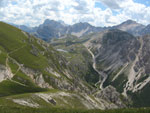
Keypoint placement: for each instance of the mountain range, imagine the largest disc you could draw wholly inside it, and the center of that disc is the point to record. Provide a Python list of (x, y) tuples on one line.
[(56, 29), (78, 67)]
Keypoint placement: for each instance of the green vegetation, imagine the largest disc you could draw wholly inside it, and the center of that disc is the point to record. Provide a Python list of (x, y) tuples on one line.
[(141, 98), (27, 50), (23, 50), (142, 78), (24, 56), (119, 82), (3, 57), (10, 37), (24, 79), (9, 87), (70, 40), (14, 67), (4, 109)]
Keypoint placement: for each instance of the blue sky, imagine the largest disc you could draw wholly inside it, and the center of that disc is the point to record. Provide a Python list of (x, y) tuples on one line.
[(100, 5), (95, 12), (145, 2)]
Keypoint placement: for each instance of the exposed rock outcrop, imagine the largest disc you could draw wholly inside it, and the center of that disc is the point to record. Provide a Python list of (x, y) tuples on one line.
[(5, 73), (111, 95)]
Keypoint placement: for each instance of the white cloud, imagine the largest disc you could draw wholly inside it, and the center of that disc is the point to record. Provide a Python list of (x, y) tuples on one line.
[(113, 4), (128, 9), (34, 12)]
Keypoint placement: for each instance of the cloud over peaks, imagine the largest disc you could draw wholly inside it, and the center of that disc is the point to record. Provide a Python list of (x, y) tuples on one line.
[(34, 12)]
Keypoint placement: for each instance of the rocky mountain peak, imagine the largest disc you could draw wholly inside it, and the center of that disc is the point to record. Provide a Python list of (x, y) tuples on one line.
[(82, 24), (52, 23), (56, 29), (130, 26), (130, 22)]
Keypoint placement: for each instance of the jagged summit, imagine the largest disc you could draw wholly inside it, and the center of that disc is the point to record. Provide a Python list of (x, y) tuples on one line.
[(56, 29)]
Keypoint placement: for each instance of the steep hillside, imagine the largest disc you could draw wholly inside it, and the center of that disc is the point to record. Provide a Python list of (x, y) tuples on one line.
[(122, 61), (25, 57), (117, 58)]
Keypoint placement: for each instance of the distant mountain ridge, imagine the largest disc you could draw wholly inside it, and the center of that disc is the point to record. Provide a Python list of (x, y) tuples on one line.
[(55, 29), (131, 27)]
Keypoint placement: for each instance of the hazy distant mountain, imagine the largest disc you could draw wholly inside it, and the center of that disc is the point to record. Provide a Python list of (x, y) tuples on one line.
[(130, 26), (25, 28), (81, 29), (50, 29), (55, 29)]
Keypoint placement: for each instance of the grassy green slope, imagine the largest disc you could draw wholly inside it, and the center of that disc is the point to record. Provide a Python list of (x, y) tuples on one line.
[(61, 110), (18, 48), (64, 104), (10, 37), (26, 50), (8, 87)]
